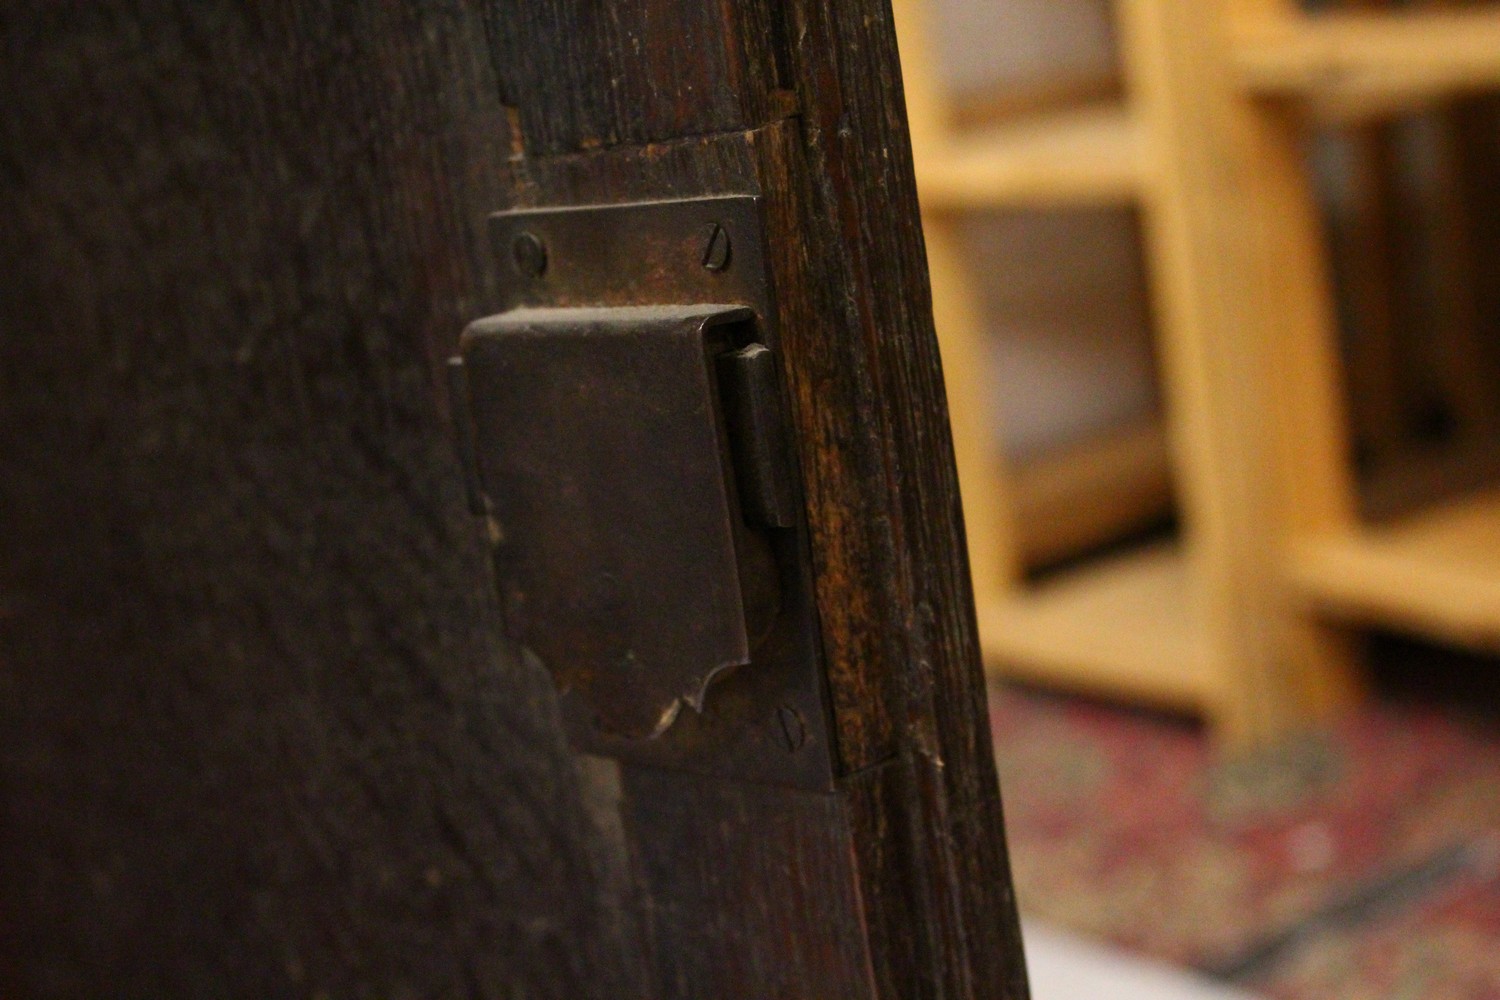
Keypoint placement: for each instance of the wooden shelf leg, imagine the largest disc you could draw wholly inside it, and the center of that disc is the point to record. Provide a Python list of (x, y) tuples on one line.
[(1249, 363)]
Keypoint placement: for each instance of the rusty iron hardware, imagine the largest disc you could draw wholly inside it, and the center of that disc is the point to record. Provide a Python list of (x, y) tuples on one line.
[(623, 432)]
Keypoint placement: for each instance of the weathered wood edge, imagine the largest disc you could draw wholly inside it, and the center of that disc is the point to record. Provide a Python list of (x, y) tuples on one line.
[(898, 625)]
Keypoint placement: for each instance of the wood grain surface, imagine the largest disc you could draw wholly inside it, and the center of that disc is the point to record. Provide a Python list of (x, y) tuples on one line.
[(866, 394), (259, 736)]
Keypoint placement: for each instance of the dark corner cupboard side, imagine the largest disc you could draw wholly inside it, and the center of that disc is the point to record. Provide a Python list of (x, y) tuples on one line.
[(274, 545)]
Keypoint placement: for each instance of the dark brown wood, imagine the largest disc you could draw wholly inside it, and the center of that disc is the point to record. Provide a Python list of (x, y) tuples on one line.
[(609, 79), (750, 886), (918, 792), (257, 735)]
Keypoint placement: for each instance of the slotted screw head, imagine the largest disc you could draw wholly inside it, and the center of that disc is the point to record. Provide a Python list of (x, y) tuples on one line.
[(530, 254), (715, 246)]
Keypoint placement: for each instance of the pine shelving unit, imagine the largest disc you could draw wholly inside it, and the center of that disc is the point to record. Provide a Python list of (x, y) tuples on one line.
[(1148, 625), (1207, 143), (1436, 571)]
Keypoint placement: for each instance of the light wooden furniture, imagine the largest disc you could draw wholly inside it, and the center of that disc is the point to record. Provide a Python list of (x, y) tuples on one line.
[(1084, 155), (1363, 63), (1207, 141), (1437, 571), (1403, 243), (1174, 625)]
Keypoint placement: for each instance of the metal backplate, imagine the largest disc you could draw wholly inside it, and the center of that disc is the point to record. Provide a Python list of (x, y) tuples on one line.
[(649, 540), (622, 547), (657, 253)]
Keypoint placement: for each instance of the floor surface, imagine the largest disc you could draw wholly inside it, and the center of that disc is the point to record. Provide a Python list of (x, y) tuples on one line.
[(1357, 862), (1063, 966)]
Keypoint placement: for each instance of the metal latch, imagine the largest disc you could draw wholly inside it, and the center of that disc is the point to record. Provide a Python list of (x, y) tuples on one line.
[(626, 444)]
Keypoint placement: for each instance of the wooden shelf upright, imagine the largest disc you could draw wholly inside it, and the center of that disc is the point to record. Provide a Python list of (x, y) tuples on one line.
[(1435, 572), (1232, 623), (1172, 625)]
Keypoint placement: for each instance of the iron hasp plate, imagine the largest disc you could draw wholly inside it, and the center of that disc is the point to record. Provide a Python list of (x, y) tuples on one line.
[(608, 473), (628, 444)]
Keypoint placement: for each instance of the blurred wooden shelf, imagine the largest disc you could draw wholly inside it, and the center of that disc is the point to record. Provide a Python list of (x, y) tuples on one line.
[(1366, 64), (1219, 179), (1080, 496), (980, 106), (1083, 155), (1125, 626), (1436, 573)]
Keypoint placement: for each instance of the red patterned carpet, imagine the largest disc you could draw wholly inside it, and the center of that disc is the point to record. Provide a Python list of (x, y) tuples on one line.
[(1358, 865)]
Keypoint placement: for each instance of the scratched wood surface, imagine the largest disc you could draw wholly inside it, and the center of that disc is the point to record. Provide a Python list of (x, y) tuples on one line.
[(813, 122), (258, 737)]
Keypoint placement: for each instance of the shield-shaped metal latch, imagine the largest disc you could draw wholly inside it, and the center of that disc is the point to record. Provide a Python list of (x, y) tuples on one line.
[(640, 488)]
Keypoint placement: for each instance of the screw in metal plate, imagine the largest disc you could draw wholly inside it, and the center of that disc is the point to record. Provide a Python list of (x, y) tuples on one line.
[(791, 730), (530, 254), (715, 246)]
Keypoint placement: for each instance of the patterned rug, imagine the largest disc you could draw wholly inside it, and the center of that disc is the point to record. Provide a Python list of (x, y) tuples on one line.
[(1363, 863)]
